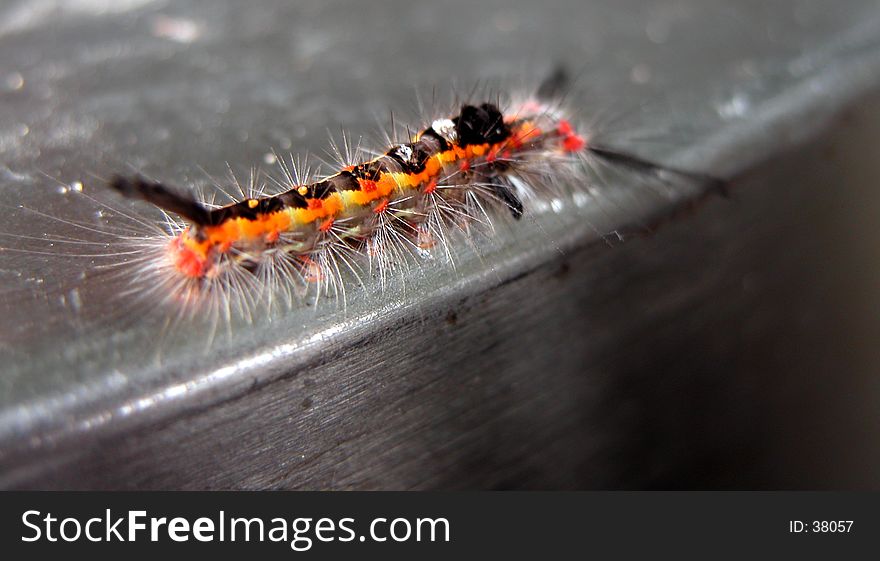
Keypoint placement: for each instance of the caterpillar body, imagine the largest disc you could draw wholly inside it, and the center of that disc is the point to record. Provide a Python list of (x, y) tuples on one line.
[(448, 174), (411, 184)]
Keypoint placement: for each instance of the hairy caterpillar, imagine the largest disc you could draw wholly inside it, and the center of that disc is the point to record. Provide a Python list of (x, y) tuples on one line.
[(461, 173)]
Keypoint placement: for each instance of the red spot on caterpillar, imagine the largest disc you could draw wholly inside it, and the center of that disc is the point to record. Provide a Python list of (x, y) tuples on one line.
[(573, 143), (564, 128), (272, 236), (315, 204), (326, 225), (431, 186), (186, 260), (490, 157), (367, 185), (381, 207), (464, 165)]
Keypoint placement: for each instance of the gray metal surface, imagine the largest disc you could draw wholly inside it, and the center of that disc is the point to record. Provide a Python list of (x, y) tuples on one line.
[(729, 349)]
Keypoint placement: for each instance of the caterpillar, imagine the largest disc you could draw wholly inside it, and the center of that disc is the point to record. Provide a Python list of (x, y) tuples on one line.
[(459, 173), (477, 153)]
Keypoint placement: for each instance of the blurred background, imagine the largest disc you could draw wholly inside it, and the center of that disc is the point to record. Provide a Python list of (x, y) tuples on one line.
[(660, 339)]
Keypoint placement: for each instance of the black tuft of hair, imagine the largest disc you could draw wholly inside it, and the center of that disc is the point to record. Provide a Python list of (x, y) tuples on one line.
[(721, 185), (163, 197), (554, 85), (508, 197), (481, 125)]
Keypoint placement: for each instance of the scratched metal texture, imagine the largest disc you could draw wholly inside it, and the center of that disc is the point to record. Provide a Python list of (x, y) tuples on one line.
[(721, 343)]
